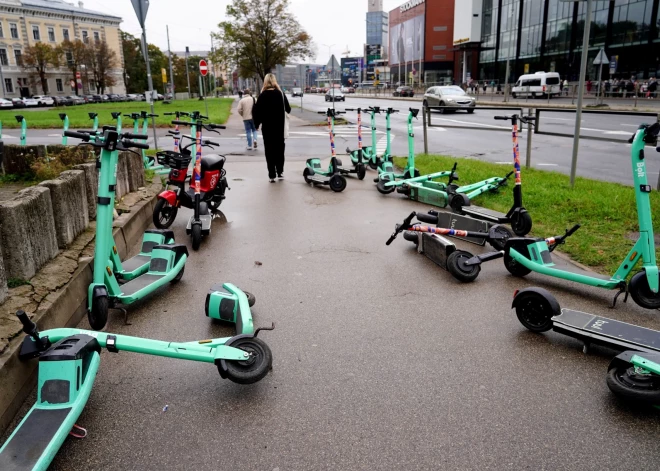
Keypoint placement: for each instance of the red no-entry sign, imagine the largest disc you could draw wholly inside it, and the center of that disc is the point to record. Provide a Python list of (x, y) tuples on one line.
[(203, 68)]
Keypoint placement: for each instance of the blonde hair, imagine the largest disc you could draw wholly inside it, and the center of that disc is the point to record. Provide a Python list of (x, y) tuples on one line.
[(270, 81)]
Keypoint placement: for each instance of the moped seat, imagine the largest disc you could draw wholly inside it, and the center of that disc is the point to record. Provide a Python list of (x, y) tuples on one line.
[(212, 162)]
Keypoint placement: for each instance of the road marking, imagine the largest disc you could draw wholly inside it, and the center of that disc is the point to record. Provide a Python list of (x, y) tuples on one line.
[(547, 165), (7, 136), (625, 133), (439, 129), (54, 135), (503, 163)]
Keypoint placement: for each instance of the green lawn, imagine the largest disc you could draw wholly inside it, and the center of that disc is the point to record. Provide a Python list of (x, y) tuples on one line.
[(219, 109), (606, 211)]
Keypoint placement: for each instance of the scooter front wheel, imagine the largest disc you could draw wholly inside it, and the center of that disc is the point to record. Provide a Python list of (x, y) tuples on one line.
[(98, 315), (515, 268), (196, 232), (407, 175), (361, 171), (337, 183), (521, 223), (373, 164), (535, 312), (251, 298), (504, 232), (456, 266), (641, 292), (306, 174), (256, 367), (411, 236), (382, 188), (164, 214), (634, 384)]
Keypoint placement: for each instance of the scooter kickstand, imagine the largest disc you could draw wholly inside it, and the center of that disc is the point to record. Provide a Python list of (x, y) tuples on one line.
[(623, 288), (272, 327)]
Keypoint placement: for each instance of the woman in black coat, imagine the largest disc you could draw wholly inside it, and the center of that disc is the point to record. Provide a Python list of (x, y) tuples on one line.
[(268, 113)]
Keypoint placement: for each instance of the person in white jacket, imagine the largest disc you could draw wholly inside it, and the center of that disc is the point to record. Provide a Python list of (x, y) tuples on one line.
[(245, 110)]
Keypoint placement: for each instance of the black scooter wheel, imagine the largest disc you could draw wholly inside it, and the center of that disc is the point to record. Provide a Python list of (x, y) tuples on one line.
[(411, 236), (456, 266), (179, 275), (337, 183), (515, 268), (521, 223), (253, 369), (641, 292), (98, 316), (251, 298), (406, 174), (503, 231), (306, 174), (535, 312), (373, 164), (361, 171), (196, 232), (164, 214), (382, 189), (630, 383)]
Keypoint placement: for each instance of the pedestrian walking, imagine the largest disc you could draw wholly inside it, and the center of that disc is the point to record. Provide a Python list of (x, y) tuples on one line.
[(271, 112), (565, 87), (245, 107), (240, 94), (653, 87), (588, 86)]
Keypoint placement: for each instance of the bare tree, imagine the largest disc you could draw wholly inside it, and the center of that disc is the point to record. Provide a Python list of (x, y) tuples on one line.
[(100, 59), (38, 58), (75, 53)]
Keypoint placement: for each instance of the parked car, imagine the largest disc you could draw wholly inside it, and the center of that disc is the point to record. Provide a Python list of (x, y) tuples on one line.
[(62, 101), (4, 103), (30, 102), (159, 97), (88, 98), (113, 97), (451, 96), (141, 97), (76, 100), (335, 94), (18, 103), (44, 100), (313, 90), (404, 91), (296, 92), (350, 90)]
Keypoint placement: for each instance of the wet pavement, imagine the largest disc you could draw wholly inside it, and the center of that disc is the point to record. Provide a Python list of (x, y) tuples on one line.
[(381, 359)]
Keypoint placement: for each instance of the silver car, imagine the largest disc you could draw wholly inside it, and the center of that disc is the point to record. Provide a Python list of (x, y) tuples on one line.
[(453, 97), (335, 94)]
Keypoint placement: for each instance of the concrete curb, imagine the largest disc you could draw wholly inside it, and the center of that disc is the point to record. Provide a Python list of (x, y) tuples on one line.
[(66, 307)]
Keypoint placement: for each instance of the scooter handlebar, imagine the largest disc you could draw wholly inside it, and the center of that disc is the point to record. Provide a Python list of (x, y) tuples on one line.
[(137, 145), (503, 118), (428, 218), (130, 135), (401, 227), (572, 230), (181, 123), (77, 135), (28, 326)]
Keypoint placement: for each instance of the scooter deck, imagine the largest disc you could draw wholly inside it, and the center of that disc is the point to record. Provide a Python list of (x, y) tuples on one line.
[(608, 332), (141, 282), (134, 263), (484, 213), (458, 221), (436, 248)]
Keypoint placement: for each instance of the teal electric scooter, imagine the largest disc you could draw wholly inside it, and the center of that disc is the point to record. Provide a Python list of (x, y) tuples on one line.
[(69, 360), (21, 119), (385, 169), (143, 118), (369, 153), (314, 173), (525, 255), (160, 260), (95, 121), (65, 127)]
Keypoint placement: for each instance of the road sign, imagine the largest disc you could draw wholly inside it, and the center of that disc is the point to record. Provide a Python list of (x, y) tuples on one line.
[(614, 62), (332, 63), (203, 68), (77, 75), (601, 58), (141, 7)]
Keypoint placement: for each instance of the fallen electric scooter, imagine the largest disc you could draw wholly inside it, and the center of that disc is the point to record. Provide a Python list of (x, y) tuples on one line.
[(633, 375), (69, 360), (314, 173)]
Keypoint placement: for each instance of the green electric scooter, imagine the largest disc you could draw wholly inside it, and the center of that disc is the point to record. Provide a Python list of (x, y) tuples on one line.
[(69, 360), (386, 166), (160, 260), (21, 119), (314, 173), (369, 153), (143, 117), (525, 255), (95, 121), (359, 169), (65, 127)]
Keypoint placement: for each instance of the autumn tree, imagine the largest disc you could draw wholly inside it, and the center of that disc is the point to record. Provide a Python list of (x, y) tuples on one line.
[(135, 70), (75, 54), (38, 59), (258, 35), (100, 59)]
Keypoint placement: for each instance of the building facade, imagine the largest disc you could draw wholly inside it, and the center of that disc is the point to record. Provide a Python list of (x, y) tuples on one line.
[(24, 23), (546, 35), (421, 42), (377, 26)]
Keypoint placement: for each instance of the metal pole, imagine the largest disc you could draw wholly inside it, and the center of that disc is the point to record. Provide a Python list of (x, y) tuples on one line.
[(528, 157), (600, 77), (188, 73), (508, 57), (2, 79), (150, 83), (169, 53), (583, 73), (426, 142)]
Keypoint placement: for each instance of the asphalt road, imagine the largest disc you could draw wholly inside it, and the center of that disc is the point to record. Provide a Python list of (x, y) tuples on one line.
[(381, 360)]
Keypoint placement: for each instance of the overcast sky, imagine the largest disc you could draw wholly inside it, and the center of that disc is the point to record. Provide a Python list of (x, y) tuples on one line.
[(342, 24)]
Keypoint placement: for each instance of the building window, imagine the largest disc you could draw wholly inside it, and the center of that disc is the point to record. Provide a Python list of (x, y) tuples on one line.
[(13, 30), (3, 57), (35, 33), (69, 58), (2, 32), (65, 34), (85, 37), (18, 56), (439, 57), (97, 37), (439, 28), (51, 34), (9, 86), (58, 85), (439, 48)]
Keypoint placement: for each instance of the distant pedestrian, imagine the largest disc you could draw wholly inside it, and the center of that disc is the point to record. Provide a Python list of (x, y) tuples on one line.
[(589, 85), (565, 87), (240, 94), (245, 107), (653, 87), (271, 113)]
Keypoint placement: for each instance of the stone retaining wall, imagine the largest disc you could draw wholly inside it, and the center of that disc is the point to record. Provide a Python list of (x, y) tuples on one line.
[(91, 187)]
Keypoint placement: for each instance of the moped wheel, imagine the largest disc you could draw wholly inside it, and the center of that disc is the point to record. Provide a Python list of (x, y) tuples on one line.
[(380, 186), (196, 232), (456, 266), (337, 183), (535, 312), (515, 268), (306, 175), (164, 214), (98, 315), (521, 223), (361, 172), (634, 384), (411, 236), (503, 231), (641, 292), (256, 367)]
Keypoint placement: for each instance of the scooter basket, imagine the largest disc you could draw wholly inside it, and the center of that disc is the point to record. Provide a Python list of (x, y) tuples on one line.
[(173, 159)]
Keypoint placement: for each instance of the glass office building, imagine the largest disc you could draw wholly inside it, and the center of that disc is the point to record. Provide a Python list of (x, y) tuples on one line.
[(377, 29), (546, 35)]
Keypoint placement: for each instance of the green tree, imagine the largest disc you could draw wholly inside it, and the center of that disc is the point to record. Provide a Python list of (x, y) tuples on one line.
[(38, 59), (100, 60), (135, 70), (75, 54), (258, 35)]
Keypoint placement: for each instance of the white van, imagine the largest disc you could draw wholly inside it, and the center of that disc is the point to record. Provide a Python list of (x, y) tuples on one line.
[(539, 84)]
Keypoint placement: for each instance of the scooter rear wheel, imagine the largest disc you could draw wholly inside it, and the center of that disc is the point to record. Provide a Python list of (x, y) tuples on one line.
[(505, 232), (98, 315), (406, 174), (641, 292), (196, 232), (164, 214), (337, 183), (253, 369), (628, 382), (306, 174), (411, 236), (521, 223), (456, 266), (179, 275), (380, 186), (251, 298), (535, 312), (515, 268), (361, 171)]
